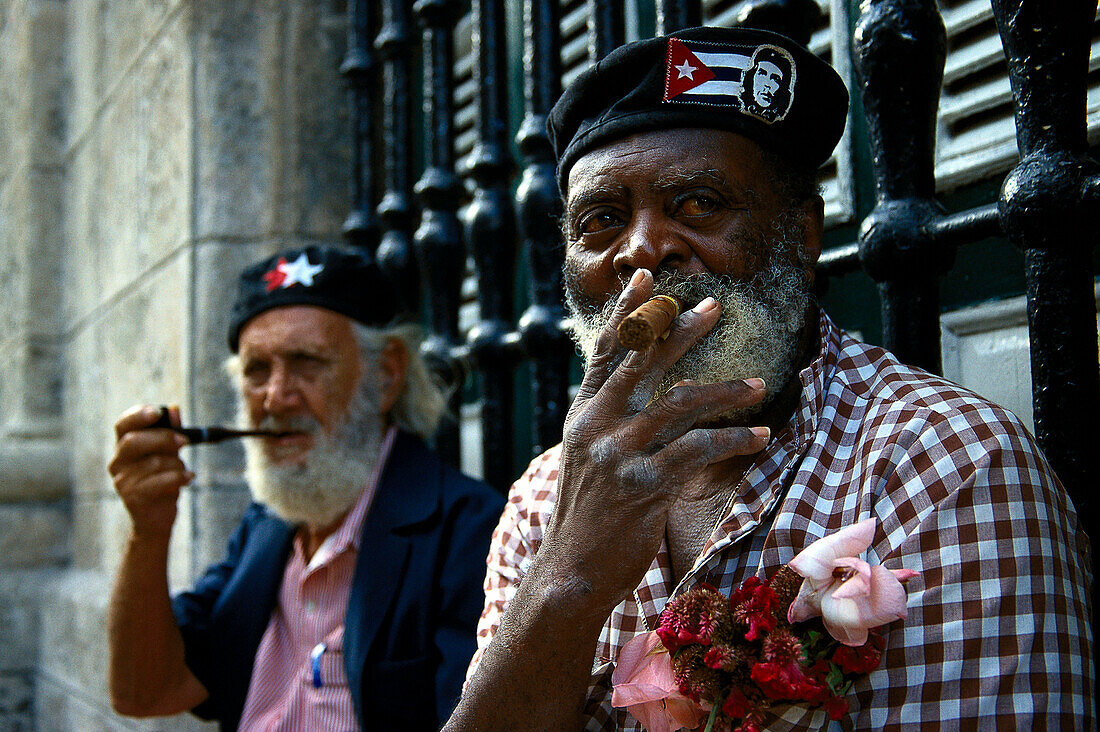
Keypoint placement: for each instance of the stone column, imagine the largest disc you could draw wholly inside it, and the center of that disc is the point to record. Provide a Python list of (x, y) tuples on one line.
[(34, 470)]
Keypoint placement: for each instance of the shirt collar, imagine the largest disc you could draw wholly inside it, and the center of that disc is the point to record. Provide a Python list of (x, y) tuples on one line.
[(763, 485)]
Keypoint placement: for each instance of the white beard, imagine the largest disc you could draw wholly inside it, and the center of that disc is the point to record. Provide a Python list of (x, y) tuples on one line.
[(337, 468), (757, 333)]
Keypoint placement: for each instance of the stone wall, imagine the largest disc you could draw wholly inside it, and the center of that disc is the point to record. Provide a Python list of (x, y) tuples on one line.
[(148, 150)]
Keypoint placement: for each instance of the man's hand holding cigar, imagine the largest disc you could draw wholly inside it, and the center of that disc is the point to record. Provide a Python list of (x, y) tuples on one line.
[(629, 454)]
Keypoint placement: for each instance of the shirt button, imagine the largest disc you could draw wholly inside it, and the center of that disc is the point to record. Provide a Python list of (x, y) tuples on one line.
[(311, 606)]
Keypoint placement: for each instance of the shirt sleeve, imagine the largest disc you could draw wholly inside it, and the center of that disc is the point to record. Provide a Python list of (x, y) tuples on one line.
[(513, 545), (998, 630)]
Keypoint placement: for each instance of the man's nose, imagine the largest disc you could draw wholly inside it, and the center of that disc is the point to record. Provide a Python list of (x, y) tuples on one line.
[(650, 242)]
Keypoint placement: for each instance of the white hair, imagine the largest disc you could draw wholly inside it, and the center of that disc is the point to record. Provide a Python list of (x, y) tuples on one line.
[(423, 401)]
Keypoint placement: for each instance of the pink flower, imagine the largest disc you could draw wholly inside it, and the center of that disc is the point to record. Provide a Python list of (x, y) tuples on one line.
[(849, 594), (645, 684)]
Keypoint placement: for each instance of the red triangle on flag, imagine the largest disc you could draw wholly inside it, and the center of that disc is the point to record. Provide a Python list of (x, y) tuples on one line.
[(684, 70)]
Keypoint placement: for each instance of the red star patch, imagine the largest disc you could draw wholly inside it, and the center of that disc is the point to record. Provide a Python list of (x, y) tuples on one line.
[(684, 70), (275, 276)]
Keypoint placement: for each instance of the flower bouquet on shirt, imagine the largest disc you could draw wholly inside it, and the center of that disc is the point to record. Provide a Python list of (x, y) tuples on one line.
[(804, 636)]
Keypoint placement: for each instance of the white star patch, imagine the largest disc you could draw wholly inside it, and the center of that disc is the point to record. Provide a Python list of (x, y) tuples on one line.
[(300, 272), (685, 70)]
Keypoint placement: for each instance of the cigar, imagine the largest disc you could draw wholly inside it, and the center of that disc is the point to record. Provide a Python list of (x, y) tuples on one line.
[(214, 433), (648, 322)]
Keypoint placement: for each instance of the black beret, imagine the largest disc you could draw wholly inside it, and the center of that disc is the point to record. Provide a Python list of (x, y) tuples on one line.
[(343, 281), (704, 77)]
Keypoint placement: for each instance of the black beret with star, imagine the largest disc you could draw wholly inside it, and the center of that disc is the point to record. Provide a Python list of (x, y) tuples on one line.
[(753, 82), (340, 280)]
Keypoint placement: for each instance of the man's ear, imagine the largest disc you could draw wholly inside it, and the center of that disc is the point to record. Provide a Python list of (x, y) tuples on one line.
[(393, 365)]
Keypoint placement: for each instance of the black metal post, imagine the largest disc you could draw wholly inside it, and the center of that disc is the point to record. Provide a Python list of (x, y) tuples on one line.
[(360, 227), (539, 207), (795, 19), (1049, 208), (491, 234), (674, 15), (438, 240), (606, 28), (899, 49), (395, 254)]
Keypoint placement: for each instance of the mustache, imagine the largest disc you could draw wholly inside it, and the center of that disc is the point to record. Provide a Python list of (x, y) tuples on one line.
[(691, 289), (301, 423)]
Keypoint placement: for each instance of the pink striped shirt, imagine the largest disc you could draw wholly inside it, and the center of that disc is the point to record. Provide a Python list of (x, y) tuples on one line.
[(298, 677)]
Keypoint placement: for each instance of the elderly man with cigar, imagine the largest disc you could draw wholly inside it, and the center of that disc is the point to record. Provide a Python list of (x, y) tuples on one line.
[(349, 593), (700, 465)]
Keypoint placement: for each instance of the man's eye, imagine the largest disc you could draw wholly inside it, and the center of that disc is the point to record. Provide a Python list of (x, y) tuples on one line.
[(597, 221), (698, 205), (255, 373)]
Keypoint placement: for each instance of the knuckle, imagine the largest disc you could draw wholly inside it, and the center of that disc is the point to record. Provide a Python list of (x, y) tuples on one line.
[(679, 398), (602, 448), (638, 475)]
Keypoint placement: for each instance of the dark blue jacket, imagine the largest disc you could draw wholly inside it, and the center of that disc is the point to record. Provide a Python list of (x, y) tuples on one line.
[(415, 598)]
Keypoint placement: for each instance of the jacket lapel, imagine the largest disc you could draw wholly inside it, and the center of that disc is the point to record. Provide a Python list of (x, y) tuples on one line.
[(408, 494)]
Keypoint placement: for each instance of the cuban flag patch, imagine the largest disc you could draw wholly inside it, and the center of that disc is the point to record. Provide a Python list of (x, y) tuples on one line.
[(757, 80)]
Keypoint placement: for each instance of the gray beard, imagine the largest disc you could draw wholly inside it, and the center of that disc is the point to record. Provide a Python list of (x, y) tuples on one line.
[(757, 334), (335, 472)]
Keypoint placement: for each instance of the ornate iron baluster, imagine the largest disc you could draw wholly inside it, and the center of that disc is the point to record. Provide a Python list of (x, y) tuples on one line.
[(606, 28), (539, 206), (673, 15), (899, 48), (360, 227), (395, 254), (490, 232), (1049, 208), (438, 240)]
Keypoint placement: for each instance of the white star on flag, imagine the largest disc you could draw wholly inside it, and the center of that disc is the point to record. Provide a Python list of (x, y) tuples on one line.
[(686, 70), (300, 271)]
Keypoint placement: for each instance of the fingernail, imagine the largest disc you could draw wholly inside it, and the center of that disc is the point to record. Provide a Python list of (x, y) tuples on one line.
[(755, 383), (705, 305), (765, 432), (637, 277), (180, 440)]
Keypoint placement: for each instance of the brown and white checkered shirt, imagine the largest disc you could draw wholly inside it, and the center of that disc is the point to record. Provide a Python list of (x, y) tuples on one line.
[(998, 626)]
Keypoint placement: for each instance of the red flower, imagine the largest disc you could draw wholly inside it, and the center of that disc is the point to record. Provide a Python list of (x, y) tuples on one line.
[(737, 705), (835, 706), (860, 660), (786, 681), (744, 592), (692, 618), (782, 646), (754, 606)]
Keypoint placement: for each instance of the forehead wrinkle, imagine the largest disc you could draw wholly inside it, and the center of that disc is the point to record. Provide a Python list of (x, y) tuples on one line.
[(684, 177), (680, 178)]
